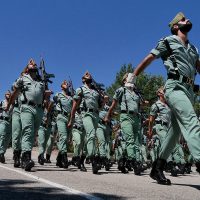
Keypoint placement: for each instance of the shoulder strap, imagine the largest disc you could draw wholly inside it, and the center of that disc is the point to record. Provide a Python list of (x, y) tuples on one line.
[(171, 55), (125, 99)]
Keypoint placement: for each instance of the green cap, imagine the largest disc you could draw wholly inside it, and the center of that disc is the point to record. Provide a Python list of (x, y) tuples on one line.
[(176, 19)]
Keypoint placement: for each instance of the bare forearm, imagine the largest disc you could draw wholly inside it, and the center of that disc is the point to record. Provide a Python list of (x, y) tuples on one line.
[(146, 61), (112, 107)]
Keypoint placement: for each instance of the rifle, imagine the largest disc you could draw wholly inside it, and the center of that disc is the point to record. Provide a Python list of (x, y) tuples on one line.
[(99, 87), (71, 88), (45, 77)]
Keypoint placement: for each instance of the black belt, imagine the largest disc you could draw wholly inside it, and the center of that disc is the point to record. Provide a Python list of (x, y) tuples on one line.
[(30, 103), (129, 112), (77, 127), (162, 123), (4, 118), (63, 112), (88, 110), (185, 79)]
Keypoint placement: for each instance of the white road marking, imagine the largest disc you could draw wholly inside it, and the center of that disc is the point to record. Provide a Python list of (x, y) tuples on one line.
[(67, 189)]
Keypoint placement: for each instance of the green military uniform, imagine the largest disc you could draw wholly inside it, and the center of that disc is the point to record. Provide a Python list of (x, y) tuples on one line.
[(5, 129), (43, 136), (78, 137), (154, 148), (16, 132), (179, 94), (63, 107), (90, 102), (78, 134), (31, 114), (89, 110), (119, 145), (51, 139), (129, 120), (103, 135)]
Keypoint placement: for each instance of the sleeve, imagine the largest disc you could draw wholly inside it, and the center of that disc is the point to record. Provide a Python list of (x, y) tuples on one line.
[(118, 94), (160, 50), (78, 94), (154, 110)]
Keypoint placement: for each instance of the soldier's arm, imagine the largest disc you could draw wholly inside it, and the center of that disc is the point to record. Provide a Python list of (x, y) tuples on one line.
[(14, 95), (150, 126), (76, 103), (112, 107), (145, 62)]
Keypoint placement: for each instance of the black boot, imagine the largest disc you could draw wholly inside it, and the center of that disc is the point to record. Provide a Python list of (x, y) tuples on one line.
[(197, 166), (59, 160), (26, 162), (130, 165), (122, 165), (48, 158), (80, 163), (181, 168), (172, 169), (107, 164), (74, 160), (16, 158), (41, 159), (2, 158), (96, 164), (157, 172), (137, 168), (64, 160), (188, 168)]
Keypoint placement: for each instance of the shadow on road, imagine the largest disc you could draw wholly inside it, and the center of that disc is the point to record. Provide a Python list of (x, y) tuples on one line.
[(188, 185), (29, 190)]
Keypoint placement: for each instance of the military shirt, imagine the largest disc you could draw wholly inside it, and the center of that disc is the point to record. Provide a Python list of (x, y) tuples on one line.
[(63, 102), (161, 111), (103, 112), (3, 106), (186, 57), (90, 98), (78, 120), (32, 90), (127, 99)]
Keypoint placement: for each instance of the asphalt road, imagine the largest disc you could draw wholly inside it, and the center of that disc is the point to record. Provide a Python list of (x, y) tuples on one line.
[(51, 182)]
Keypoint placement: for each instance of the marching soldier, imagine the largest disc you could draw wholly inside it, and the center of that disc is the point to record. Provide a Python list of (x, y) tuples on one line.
[(33, 94), (44, 131), (181, 60), (103, 135), (5, 126), (129, 104), (63, 103), (89, 101)]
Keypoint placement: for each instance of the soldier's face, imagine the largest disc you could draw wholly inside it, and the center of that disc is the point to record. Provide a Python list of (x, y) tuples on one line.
[(184, 25)]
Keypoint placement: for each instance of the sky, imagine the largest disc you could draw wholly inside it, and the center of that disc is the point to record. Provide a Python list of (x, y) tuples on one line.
[(78, 35)]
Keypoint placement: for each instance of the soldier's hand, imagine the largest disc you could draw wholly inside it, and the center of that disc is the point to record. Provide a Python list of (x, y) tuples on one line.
[(106, 119), (69, 125), (47, 93)]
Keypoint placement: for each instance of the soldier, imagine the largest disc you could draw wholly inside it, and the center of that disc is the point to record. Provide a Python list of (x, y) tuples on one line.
[(54, 130), (89, 100), (63, 103), (5, 126), (33, 94), (78, 137), (181, 60), (103, 135), (129, 104), (160, 113), (44, 131)]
